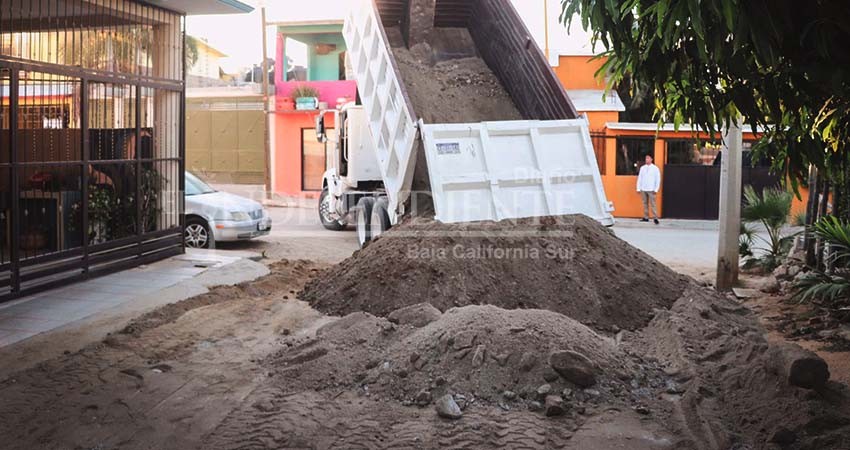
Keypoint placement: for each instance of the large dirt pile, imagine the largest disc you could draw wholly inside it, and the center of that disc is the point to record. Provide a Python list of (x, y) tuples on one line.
[(570, 265), (459, 90), (484, 356), (486, 351)]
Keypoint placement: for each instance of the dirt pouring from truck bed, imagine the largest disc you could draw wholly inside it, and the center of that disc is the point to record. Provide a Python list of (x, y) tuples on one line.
[(570, 265), (460, 90)]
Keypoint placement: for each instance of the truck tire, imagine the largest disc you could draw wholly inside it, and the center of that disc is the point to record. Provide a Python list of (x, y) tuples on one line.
[(364, 218), (325, 213), (380, 222)]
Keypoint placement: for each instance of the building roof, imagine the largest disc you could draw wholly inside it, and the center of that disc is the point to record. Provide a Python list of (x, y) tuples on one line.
[(309, 26), (595, 100), (202, 7), (652, 126), (209, 49)]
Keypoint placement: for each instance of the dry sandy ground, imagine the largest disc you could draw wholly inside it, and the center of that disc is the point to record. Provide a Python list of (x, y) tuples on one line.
[(252, 367), (195, 375), (165, 381), (771, 310)]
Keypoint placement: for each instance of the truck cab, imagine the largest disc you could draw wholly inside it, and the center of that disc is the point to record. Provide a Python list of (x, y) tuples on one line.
[(352, 188)]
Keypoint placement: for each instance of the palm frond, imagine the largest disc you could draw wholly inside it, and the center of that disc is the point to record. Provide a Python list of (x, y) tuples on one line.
[(822, 286), (772, 207), (837, 234)]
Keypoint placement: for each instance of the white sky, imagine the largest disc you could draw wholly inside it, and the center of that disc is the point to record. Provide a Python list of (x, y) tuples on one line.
[(240, 35)]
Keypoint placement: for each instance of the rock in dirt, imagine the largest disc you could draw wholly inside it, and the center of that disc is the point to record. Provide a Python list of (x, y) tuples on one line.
[(769, 285), (423, 398), (447, 408), (554, 406), (416, 316), (574, 367), (800, 367), (567, 264), (783, 437), (543, 391)]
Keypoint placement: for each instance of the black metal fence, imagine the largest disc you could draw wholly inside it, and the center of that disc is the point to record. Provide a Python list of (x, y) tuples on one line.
[(91, 139)]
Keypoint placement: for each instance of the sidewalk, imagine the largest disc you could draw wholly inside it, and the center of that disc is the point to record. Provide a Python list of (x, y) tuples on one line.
[(51, 310), (680, 224)]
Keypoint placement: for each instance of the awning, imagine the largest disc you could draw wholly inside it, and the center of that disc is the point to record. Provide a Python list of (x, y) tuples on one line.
[(201, 7)]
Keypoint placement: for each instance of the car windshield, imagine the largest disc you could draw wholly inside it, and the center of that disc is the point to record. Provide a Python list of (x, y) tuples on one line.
[(194, 185)]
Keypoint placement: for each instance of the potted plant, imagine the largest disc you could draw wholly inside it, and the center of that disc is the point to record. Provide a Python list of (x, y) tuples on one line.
[(306, 97)]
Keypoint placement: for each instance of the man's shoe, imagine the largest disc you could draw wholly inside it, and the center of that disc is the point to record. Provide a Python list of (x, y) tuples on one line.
[(644, 220), (656, 221)]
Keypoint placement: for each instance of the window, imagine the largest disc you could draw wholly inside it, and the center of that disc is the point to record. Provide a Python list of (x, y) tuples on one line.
[(631, 153), (195, 186), (692, 151)]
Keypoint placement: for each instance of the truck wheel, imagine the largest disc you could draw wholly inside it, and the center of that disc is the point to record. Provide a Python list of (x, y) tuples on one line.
[(380, 217), (325, 214), (364, 217)]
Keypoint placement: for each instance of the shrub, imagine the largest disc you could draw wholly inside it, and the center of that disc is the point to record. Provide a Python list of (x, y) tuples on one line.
[(303, 90)]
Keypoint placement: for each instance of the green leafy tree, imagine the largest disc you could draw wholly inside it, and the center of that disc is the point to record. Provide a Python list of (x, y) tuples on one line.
[(782, 64)]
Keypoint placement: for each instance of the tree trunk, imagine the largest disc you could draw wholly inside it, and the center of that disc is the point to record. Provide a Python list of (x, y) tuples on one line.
[(811, 216), (823, 209)]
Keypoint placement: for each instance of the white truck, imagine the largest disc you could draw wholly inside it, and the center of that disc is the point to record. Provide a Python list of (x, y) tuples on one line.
[(490, 170)]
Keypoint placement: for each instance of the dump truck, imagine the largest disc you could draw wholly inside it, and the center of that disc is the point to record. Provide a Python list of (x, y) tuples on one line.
[(393, 154)]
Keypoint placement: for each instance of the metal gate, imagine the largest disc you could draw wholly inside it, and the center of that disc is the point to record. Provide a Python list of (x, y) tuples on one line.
[(692, 191), (91, 153)]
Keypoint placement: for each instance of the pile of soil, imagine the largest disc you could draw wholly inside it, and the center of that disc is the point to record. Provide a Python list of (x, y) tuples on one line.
[(480, 351), (729, 393), (569, 264), (462, 90)]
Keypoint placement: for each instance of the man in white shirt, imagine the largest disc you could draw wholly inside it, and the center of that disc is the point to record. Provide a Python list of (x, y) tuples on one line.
[(648, 182)]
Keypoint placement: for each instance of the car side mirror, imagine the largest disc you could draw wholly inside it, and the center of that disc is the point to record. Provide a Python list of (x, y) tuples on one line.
[(321, 136)]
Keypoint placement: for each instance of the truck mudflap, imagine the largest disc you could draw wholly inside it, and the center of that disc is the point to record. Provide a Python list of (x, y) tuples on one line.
[(505, 170)]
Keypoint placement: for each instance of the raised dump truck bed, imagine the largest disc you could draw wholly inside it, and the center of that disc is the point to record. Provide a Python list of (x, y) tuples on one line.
[(501, 39), (487, 168)]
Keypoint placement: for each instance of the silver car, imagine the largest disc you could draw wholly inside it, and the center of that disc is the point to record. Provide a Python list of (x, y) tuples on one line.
[(213, 216)]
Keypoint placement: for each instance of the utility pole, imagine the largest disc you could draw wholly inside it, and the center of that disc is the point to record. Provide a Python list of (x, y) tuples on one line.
[(730, 207), (546, 28), (266, 133)]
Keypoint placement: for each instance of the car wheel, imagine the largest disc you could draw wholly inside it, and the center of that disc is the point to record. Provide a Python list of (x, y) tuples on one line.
[(197, 233), (364, 218), (380, 221), (325, 214)]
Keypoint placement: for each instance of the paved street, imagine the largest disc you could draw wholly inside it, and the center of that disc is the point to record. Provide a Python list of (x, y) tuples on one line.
[(687, 246)]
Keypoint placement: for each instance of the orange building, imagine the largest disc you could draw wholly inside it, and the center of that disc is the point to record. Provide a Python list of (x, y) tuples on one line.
[(688, 159)]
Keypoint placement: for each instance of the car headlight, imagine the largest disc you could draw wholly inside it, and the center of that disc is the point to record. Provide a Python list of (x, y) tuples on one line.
[(239, 216)]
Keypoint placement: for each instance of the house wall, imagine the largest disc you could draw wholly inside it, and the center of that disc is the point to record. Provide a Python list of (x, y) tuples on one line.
[(225, 139), (579, 72), (288, 158)]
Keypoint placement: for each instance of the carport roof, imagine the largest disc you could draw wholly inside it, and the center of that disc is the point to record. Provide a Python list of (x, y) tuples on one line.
[(201, 7)]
